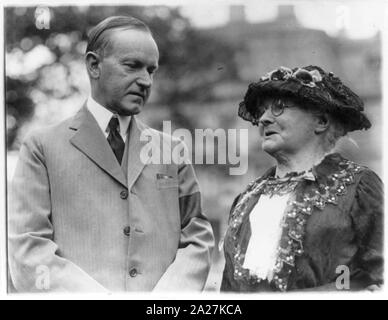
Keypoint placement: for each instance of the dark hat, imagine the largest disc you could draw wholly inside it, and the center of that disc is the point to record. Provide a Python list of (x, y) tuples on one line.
[(310, 86)]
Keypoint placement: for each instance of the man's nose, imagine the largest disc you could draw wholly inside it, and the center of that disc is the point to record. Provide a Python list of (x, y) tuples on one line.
[(144, 80)]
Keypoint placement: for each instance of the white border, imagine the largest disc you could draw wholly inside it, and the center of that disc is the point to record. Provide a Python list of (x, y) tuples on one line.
[(3, 180), (174, 296)]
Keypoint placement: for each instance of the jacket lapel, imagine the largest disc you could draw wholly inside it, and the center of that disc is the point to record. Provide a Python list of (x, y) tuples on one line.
[(90, 140), (135, 164)]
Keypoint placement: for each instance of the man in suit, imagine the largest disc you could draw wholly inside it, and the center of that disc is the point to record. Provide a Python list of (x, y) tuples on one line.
[(86, 213)]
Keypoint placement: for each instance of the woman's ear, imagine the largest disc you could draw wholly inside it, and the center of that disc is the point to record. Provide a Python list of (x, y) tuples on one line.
[(322, 123), (92, 61)]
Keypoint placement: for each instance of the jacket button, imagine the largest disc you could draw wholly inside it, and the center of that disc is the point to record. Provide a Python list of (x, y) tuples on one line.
[(133, 273), (124, 194), (127, 231)]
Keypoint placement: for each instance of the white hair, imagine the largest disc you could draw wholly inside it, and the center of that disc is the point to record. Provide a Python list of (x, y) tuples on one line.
[(335, 132)]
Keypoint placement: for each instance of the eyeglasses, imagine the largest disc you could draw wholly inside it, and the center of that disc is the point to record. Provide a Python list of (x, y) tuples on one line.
[(277, 108)]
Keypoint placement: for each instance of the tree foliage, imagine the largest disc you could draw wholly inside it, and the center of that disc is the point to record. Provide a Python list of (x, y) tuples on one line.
[(191, 63)]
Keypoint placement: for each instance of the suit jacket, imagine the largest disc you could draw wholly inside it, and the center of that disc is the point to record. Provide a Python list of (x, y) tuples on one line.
[(79, 222)]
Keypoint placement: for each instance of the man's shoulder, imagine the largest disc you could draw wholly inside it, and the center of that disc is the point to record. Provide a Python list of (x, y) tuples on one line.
[(50, 132)]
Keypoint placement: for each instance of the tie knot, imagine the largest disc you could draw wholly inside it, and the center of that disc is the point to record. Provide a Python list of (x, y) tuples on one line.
[(114, 124)]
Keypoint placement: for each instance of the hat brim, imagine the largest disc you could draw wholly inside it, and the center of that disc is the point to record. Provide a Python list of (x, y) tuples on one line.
[(350, 115)]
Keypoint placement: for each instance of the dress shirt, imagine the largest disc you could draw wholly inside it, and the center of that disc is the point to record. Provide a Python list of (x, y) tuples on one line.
[(103, 116)]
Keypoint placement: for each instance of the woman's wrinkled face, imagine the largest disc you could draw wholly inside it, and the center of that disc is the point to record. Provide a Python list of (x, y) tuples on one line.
[(288, 132)]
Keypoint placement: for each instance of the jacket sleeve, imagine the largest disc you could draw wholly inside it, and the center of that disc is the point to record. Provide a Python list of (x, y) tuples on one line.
[(191, 266), (34, 262), (228, 283), (367, 215)]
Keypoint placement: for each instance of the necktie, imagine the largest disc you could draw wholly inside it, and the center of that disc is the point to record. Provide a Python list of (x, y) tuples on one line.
[(114, 138)]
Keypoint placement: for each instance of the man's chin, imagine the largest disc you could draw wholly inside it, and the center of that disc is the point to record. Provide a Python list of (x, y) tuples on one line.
[(130, 110)]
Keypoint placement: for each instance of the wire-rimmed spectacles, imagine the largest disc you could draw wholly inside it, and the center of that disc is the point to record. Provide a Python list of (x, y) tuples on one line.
[(277, 108)]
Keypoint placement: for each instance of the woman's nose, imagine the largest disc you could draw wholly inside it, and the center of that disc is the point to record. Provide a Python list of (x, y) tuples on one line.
[(267, 118)]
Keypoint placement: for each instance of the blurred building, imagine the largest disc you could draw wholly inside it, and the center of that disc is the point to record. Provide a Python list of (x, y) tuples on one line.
[(285, 42)]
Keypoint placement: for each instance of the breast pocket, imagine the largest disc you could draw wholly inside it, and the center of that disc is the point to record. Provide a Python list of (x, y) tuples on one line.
[(167, 183)]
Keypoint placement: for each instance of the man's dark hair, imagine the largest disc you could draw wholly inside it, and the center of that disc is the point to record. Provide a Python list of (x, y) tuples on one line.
[(98, 38)]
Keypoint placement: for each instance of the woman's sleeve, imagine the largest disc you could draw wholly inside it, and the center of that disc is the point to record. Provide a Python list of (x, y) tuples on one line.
[(227, 278), (367, 215)]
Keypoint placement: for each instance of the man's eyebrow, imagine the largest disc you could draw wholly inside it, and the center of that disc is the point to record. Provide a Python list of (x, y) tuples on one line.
[(139, 62), (129, 59)]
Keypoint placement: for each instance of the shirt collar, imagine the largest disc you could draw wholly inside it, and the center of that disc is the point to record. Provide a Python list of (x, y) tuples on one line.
[(103, 116)]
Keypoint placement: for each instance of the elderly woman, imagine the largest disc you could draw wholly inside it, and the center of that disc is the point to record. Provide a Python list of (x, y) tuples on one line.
[(314, 221)]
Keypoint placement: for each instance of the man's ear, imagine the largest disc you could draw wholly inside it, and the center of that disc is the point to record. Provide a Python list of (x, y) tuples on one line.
[(92, 61), (322, 123)]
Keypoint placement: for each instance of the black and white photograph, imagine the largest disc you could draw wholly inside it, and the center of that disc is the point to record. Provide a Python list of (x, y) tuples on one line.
[(194, 150)]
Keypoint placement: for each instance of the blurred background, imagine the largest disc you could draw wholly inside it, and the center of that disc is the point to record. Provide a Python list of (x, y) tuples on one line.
[(209, 55)]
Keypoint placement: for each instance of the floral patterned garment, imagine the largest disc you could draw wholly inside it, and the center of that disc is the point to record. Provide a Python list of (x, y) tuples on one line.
[(335, 220)]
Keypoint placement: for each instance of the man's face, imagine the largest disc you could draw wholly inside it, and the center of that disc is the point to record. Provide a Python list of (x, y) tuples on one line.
[(126, 71)]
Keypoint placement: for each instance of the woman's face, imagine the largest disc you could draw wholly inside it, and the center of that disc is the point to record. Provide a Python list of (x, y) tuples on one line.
[(289, 132)]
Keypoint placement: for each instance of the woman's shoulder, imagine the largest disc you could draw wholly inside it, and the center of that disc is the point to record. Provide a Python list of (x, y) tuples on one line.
[(363, 175), (367, 193), (367, 175), (370, 186), (335, 167)]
